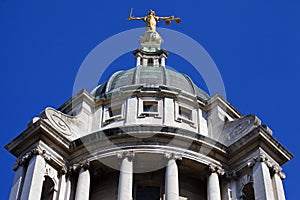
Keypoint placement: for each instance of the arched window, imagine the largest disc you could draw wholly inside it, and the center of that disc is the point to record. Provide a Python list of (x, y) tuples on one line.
[(248, 192), (48, 189)]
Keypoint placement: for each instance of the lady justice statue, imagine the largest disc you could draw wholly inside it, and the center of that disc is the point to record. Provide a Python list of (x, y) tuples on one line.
[(151, 19), (151, 40)]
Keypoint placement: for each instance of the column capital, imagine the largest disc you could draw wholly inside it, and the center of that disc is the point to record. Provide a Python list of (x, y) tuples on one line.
[(213, 168), (259, 158), (278, 170), (62, 171), (126, 154), (173, 156), (38, 151), (85, 164), (27, 156), (78, 166), (231, 175), (274, 167)]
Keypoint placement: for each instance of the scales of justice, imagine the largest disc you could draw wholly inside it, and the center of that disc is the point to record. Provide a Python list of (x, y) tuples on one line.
[(151, 40)]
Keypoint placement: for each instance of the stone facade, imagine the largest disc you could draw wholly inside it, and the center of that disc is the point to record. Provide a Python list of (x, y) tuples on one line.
[(147, 133)]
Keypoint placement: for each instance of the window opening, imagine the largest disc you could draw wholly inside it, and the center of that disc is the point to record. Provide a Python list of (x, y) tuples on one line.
[(150, 106), (185, 113)]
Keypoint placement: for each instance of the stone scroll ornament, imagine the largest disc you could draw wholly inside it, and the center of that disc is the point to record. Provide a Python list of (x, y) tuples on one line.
[(233, 130), (69, 126)]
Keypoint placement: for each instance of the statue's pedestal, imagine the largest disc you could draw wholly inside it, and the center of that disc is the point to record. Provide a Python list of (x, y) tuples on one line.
[(150, 41)]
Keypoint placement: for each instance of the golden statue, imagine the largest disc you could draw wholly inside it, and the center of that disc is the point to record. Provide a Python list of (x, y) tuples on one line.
[(151, 19)]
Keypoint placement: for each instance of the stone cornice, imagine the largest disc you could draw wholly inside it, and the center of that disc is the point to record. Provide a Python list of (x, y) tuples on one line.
[(82, 96), (218, 100), (259, 137), (162, 133), (33, 134)]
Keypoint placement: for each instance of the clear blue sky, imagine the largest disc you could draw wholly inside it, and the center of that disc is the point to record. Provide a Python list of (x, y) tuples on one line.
[(255, 45)]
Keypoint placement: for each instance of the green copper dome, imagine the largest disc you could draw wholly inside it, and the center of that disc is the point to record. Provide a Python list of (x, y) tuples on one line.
[(148, 77)]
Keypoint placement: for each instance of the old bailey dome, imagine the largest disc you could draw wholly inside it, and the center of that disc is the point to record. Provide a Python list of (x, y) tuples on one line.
[(147, 133)]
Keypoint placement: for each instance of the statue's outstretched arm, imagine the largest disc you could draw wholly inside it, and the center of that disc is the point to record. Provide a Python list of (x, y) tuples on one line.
[(135, 18), (165, 18)]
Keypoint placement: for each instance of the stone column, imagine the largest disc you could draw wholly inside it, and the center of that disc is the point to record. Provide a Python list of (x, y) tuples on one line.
[(126, 176), (83, 183), (171, 179), (65, 185), (138, 61), (16, 188), (233, 189), (262, 179), (213, 184), (155, 62), (34, 178), (163, 61), (277, 183), (145, 61), (232, 186)]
